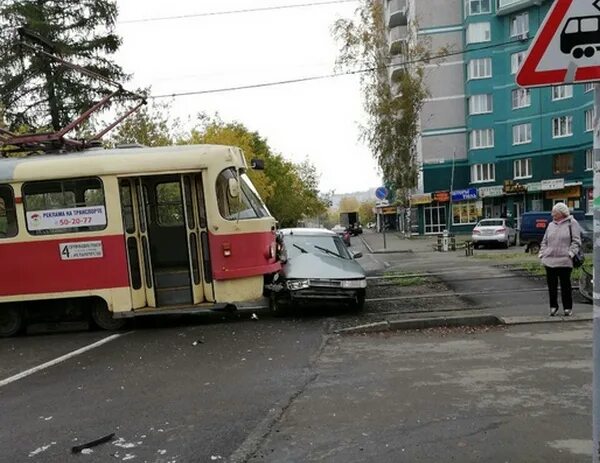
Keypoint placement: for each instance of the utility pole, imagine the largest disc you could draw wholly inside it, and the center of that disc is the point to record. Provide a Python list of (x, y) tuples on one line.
[(596, 357)]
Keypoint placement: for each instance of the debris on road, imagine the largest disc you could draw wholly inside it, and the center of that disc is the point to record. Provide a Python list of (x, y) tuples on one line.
[(254, 317), (94, 443), (199, 341)]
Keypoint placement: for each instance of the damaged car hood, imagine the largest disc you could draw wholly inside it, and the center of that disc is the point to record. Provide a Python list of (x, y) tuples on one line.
[(322, 266)]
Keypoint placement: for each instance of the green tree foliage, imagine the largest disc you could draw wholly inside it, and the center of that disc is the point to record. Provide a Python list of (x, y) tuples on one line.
[(35, 90), (349, 204), (365, 212), (393, 108), (150, 126), (289, 190)]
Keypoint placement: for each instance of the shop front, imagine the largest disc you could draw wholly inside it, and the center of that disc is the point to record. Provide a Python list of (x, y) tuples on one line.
[(466, 209)]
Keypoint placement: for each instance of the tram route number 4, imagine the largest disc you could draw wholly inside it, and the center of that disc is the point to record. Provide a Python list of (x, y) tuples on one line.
[(566, 48), (81, 250)]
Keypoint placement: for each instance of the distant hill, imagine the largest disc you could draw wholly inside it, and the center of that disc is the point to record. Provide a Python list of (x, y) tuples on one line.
[(361, 196)]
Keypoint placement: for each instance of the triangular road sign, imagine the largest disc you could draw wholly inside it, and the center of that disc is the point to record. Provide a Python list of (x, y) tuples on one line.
[(566, 49)]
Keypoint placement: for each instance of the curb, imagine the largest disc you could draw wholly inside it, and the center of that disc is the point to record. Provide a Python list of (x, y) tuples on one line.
[(459, 320), (423, 323), (382, 251)]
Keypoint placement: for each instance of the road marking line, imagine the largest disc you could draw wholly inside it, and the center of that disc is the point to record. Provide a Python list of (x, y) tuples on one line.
[(60, 359)]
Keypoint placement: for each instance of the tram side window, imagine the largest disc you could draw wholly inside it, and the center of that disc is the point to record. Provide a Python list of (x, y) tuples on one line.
[(64, 206), (8, 215), (247, 205)]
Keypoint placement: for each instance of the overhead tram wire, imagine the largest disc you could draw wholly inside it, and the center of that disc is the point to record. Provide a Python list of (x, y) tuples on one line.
[(328, 76), (231, 12)]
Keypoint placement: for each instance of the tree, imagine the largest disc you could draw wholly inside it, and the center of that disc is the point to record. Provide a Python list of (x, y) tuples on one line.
[(149, 126), (393, 108), (289, 190), (365, 212), (39, 92)]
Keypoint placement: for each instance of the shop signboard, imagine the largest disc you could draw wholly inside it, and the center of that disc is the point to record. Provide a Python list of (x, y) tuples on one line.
[(416, 200), (491, 191), (573, 191), (554, 184), (464, 195), (442, 196), (535, 187), (514, 188)]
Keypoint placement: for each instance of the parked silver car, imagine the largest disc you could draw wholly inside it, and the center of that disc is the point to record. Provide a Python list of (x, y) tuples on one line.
[(491, 231), (318, 268)]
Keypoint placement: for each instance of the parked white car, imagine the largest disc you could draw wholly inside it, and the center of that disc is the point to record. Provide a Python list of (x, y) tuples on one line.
[(492, 231)]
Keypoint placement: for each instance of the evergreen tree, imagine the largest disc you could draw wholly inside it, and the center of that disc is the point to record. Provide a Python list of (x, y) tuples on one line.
[(39, 92)]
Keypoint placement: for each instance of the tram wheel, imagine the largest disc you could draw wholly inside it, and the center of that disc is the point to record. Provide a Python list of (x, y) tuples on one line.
[(589, 52), (103, 318), (12, 321), (577, 53)]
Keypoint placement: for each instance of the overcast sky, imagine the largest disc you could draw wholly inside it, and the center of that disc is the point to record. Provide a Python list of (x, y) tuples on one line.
[(318, 120)]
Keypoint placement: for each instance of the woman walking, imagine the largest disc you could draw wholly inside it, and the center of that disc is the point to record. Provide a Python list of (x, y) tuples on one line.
[(561, 243)]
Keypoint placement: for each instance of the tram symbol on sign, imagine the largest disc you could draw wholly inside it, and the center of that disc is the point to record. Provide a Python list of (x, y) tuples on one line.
[(566, 48), (581, 36)]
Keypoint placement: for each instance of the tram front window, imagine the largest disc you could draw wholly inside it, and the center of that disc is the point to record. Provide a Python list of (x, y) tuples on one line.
[(247, 205)]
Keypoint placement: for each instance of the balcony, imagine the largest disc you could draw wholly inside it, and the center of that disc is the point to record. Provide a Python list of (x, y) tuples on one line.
[(398, 68), (398, 39), (398, 13), (504, 7)]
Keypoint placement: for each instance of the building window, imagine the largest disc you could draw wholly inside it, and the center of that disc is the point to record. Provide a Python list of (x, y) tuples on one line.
[(522, 168), (465, 213), (521, 134), (519, 25), (589, 159), (521, 98), (64, 206), (562, 126), (483, 173), (588, 87), (483, 138), (589, 120), (560, 92), (480, 104), (479, 32), (8, 214), (562, 164), (515, 61), (475, 7), (480, 68)]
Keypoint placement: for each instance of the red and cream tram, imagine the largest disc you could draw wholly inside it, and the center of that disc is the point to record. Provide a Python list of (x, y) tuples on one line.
[(123, 232)]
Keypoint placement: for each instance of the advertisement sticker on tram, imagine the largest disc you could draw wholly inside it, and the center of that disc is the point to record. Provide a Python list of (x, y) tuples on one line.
[(55, 219)]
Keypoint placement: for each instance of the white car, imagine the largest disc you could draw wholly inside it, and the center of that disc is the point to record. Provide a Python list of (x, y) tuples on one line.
[(492, 231)]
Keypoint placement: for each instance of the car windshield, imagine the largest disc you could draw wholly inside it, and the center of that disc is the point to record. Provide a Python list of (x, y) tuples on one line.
[(315, 244), (490, 223)]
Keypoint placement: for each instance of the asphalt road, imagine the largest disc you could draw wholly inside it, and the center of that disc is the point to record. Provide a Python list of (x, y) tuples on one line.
[(166, 399), (214, 388)]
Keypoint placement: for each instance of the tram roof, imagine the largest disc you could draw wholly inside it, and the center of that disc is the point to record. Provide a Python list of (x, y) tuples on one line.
[(118, 161)]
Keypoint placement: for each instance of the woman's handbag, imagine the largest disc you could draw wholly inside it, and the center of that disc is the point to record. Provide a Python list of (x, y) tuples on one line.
[(579, 258)]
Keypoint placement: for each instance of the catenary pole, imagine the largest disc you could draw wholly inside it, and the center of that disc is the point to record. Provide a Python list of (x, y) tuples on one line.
[(596, 337)]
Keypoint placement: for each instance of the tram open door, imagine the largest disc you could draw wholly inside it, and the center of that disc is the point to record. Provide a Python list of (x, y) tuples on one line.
[(165, 227)]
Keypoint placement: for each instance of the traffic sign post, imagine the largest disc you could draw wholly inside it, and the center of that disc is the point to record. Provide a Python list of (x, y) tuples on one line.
[(382, 193), (566, 50)]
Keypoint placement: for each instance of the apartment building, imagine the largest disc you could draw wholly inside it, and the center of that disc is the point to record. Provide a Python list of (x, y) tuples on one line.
[(489, 148)]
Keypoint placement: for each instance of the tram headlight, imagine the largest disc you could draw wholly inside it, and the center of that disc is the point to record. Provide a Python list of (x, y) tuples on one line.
[(354, 284), (296, 285)]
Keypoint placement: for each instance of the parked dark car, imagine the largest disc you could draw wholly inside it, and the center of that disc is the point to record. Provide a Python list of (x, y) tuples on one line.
[(534, 224), (319, 268)]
